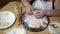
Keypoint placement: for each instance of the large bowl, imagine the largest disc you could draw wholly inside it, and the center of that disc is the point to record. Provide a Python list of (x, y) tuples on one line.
[(30, 28)]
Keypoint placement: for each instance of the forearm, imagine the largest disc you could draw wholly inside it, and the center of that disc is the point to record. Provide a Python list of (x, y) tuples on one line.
[(53, 13), (25, 3)]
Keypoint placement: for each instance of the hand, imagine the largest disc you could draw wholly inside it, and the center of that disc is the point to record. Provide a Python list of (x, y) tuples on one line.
[(29, 10), (28, 7), (40, 14)]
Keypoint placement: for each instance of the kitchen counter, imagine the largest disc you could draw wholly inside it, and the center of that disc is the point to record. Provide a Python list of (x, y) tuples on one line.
[(11, 7)]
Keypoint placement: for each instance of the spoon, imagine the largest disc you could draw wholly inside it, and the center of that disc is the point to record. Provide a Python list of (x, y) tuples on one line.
[(54, 25)]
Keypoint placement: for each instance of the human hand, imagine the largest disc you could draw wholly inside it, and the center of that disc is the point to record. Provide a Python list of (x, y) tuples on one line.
[(40, 14), (29, 10)]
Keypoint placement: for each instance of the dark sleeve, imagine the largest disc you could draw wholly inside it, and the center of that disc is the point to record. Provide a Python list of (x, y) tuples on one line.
[(32, 2), (53, 4)]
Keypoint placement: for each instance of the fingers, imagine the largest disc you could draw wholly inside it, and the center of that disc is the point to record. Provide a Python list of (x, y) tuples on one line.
[(38, 14), (29, 11)]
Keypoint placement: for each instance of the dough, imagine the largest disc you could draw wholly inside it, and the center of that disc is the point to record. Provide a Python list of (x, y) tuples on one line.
[(4, 24), (37, 23), (19, 32), (34, 24)]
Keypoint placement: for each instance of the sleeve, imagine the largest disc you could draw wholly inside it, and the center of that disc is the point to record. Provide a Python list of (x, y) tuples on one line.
[(32, 2), (53, 4)]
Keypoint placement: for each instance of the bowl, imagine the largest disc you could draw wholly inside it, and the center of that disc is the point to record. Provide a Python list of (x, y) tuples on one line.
[(54, 28), (25, 19)]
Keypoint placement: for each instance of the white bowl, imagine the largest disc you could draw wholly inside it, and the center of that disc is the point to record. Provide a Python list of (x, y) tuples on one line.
[(51, 31)]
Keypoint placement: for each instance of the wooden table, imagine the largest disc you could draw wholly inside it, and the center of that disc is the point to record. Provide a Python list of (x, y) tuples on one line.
[(10, 7)]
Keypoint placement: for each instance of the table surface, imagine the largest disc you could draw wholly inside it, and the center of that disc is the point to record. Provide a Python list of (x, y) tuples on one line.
[(11, 7)]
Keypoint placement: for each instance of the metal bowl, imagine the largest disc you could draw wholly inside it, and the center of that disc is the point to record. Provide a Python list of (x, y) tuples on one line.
[(25, 25)]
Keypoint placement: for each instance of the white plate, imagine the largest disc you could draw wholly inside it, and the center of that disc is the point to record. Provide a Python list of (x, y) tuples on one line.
[(7, 18), (16, 30)]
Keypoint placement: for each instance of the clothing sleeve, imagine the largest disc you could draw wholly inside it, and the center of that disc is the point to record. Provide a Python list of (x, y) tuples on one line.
[(53, 4), (32, 2)]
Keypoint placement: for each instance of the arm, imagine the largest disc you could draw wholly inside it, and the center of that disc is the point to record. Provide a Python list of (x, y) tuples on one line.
[(25, 3), (28, 7), (56, 11)]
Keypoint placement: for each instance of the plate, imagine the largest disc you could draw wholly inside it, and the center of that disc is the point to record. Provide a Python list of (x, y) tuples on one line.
[(16, 30), (7, 18)]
